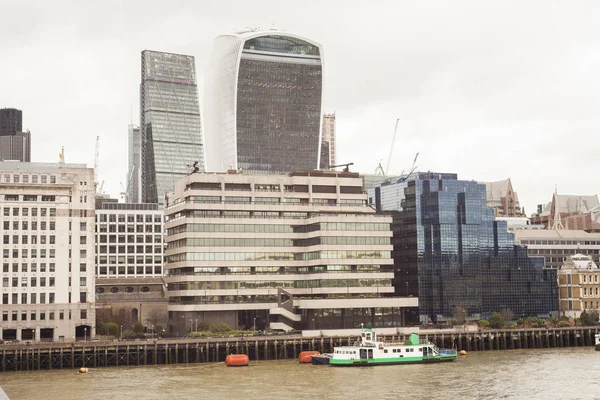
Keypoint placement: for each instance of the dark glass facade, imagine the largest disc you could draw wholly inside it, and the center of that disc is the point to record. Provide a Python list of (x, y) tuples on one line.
[(11, 121), (450, 251), (278, 105), (170, 126)]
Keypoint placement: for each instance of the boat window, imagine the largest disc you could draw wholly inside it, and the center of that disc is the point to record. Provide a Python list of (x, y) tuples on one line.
[(420, 349), (385, 351)]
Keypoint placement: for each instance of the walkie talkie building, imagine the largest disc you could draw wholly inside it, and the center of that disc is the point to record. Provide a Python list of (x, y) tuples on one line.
[(262, 106), (170, 122)]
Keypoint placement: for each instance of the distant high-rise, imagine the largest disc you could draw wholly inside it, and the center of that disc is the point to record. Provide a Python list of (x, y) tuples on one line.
[(11, 121), (328, 135), (14, 144), (135, 159), (262, 107), (170, 126)]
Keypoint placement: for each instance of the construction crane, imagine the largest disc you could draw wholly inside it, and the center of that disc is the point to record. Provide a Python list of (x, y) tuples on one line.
[(387, 167), (346, 166), (96, 183), (125, 190), (413, 167)]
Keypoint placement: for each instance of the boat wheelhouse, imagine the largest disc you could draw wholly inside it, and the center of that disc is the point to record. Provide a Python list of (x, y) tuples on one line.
[(373, 351)]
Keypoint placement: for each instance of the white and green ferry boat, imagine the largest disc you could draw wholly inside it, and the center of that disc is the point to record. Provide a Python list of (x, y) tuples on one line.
[(372, 351)]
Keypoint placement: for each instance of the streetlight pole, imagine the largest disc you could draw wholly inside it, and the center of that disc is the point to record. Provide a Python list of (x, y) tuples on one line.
[(152, 334), (254, 325), (196, 330), (85, 334), (191, 326), (121, 332)]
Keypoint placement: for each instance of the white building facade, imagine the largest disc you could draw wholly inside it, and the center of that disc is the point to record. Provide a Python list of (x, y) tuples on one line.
[(301, 251), (47, 251), (129, 240)]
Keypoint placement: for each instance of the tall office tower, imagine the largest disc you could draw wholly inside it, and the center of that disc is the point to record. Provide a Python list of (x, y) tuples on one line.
[(262, 107), (135, 160), (449, 249), (14, 144), (47, 251), (299, 251), (11, 121), (328, 136), (172, 143)]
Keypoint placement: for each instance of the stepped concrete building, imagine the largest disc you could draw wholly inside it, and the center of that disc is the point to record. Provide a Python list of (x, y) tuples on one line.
[(47, 251), (262, 106), (300, 251), (172, 143)]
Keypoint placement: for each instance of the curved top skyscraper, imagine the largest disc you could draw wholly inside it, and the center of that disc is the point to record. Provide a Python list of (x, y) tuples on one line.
[(262, 105)]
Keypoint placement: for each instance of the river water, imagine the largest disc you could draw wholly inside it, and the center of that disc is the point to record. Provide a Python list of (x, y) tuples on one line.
[(567, 373)]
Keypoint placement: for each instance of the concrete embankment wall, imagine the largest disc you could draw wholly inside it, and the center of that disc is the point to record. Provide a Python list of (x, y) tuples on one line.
[(163, 352)]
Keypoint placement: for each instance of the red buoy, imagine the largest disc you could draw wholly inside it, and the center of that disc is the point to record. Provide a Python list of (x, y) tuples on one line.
[(306, 356), (237, 360)]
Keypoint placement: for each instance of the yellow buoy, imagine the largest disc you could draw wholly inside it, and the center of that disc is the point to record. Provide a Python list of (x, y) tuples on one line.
[(83, 370), (463, 353)]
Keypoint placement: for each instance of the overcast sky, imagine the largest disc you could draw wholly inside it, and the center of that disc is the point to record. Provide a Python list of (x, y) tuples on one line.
[(489, 90)]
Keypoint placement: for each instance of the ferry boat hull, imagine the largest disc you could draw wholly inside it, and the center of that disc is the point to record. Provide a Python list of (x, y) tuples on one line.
[(321, 359)]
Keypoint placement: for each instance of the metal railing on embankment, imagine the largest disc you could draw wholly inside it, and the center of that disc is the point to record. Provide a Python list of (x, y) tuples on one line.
[(184, 351)]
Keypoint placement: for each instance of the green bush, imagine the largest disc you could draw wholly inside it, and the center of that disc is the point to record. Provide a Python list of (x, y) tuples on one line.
[(112, 329), (220, 327), (138, 328), (483, 324), (496, 321)]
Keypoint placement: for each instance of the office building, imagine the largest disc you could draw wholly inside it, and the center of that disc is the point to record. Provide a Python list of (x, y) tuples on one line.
[(262, 107), (556, 245), (300, 251), (172, 143), (129, 240), (328, 136), (135, 160), (15, 144), (578, 286), (448, 245), (47, 251)]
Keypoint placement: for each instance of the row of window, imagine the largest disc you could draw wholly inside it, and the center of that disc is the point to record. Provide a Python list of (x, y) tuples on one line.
[(129, 228), (25, 212), (562, 242), (270, 200), (130, 270), (273, 256), (32, 298), (6, 253), (25, 239), (33, 281), (316, 269), (34, 267), (268, 228), (16, 178), (128, 289), (103, 249), (268, 242), (288, 284), (145, 239), (34, 226), (148, 218), (591, 291), (33, 316)]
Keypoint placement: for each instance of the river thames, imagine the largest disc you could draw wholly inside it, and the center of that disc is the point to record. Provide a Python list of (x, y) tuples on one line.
[(567, 373)]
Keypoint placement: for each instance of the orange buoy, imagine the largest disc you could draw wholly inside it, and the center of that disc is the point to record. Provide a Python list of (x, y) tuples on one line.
[(237, 360), (306, 356)]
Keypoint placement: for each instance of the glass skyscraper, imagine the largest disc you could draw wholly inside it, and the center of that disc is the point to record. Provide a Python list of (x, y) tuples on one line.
[(449, 250), (135, 159), (263, 103), (170, 122)]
